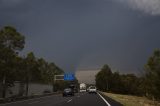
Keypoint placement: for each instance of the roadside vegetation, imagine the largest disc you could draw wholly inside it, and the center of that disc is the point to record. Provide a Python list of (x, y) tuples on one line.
[(128, 100), (25, 69), (147, 85)]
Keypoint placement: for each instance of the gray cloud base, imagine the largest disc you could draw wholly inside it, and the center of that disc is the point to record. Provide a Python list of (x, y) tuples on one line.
[(79, 34)]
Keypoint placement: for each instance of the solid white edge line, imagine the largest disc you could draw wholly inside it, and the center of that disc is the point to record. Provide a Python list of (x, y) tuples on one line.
[(104, 100)]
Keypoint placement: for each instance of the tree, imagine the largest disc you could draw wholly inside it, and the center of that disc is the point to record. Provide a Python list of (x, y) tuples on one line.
[(11, 42), (114, 82), (152, 77), (42, 67), (30, 62), (54, 70), (129, 83), (24, 69), (103, 78), (48, 71), (10, 38)]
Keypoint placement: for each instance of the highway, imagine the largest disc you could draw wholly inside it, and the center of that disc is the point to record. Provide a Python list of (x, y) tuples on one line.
[(80, 99)]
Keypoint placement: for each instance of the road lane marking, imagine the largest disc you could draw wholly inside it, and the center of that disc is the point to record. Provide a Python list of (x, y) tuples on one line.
[(104, 100), (69, 101), (34, 102)]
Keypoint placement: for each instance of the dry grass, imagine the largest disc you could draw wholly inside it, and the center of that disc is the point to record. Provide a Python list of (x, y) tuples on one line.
[(127, 100)]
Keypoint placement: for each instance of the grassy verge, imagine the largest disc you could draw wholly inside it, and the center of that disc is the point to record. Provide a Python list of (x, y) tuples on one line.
[(127, 100)]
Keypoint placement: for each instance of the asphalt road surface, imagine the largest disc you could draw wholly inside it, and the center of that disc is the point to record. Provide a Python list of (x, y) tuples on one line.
[(80, 99)]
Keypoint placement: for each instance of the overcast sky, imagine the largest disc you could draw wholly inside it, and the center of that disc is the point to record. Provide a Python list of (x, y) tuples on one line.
[(86, 76), (86, 34)]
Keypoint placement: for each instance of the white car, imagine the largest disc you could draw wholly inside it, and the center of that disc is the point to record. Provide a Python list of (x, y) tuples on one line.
[(92, 89), (82, 90)]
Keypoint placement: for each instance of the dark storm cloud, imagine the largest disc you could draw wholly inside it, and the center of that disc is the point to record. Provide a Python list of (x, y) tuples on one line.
[(84, 33)]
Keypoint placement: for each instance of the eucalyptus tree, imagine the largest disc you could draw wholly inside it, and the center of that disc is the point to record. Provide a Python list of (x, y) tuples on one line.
[(104, 78), (152, 77), (11, 42), (30, 65)]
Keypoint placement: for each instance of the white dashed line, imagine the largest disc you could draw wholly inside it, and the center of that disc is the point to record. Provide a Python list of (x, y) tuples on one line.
[(104, 100), (69, 101)]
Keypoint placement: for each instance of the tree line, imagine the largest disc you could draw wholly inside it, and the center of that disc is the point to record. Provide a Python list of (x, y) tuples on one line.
[(24, 69), (147, 84)]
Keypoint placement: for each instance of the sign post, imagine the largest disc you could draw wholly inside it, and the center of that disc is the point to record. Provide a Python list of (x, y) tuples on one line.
[(65, 77), (57, 78)]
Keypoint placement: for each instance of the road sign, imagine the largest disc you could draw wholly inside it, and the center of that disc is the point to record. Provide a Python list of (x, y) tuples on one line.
[(69, 77), (58, 77)]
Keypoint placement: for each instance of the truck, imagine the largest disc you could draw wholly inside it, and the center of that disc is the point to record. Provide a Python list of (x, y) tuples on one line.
[(82, 87)]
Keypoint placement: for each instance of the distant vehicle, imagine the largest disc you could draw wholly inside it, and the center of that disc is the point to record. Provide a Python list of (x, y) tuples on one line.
[(92, 89), (82, 87), (74, 88), (68, 92)]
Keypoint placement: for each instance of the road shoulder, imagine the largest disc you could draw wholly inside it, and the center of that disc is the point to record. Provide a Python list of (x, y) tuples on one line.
[(110, 100)]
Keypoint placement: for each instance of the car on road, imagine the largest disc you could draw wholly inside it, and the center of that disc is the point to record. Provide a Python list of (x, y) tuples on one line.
[(68, 92), (92, 89), (82, 90), (74, 88)]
